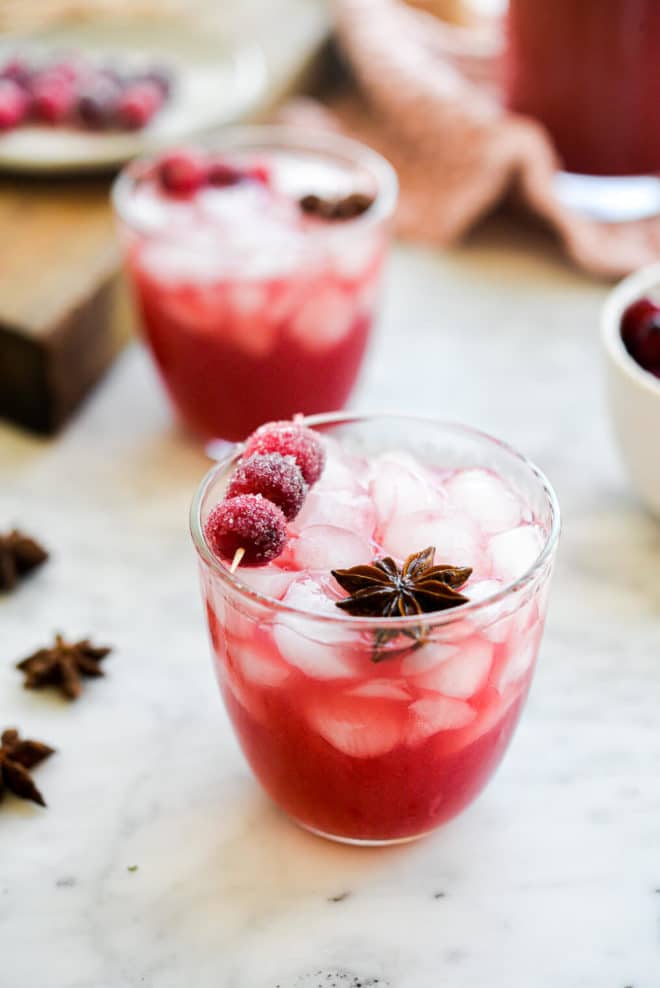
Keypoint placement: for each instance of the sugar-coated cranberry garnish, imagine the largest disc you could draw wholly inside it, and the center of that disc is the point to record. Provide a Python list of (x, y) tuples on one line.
[(221, 173), (276, 477), (249, 522), (138, 103), (53, 97), (290, 439), (640, 331), (13, 104), (182, 172)]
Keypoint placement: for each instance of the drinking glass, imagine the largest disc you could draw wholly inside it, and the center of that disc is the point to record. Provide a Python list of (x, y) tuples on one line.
[(248, 320), (370, 752)]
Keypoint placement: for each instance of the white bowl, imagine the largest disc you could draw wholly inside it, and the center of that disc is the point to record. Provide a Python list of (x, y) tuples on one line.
[(633, 393)]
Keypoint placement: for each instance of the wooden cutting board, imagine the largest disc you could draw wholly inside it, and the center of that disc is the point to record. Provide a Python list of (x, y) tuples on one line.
[(58, 262)]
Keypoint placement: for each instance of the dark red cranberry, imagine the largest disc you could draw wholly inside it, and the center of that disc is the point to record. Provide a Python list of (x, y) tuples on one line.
[(53, 98), (278, 478), (182, 172), (138, 103), (248, 522), (13, 104), (18, 70), (222, 174), (98, 101), (290, 439), (640, 331)]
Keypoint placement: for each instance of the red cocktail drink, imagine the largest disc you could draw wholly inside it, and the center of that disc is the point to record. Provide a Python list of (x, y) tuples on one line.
[(378, 729), (257, 285)]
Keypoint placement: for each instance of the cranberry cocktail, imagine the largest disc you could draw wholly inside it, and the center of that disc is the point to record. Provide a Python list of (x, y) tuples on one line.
[(375, 590), (256, 271)]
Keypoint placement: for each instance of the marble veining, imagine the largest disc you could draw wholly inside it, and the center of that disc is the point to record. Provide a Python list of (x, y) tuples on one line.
[(158, 862)]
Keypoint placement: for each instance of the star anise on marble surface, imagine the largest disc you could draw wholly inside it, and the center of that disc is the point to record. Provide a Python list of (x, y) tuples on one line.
[(383, 589), (63, 665), (344, 208), (17, 757), (19, 555)]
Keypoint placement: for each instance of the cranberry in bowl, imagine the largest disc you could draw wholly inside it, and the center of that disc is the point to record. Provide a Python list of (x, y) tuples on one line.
[(631, 338), (255, 263)]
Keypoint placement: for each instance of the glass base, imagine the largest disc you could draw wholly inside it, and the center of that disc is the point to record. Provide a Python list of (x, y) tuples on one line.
[(357, 842), (616, 199)]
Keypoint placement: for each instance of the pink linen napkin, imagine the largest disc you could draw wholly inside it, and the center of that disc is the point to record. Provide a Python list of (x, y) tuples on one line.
[(428, 103)]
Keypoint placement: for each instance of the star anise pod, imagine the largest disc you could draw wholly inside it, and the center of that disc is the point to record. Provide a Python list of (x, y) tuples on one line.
[(344, 208), (19, 555), (16, 759), (63, 665), (383, 589)]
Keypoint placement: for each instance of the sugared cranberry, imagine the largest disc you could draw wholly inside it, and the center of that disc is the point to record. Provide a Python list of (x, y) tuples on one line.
[(98, 101), (53, 97), (222, 174), (248, 522), (278, 478), (640, 331), (182, 172), (290, 439), (13, 104), (138, 103)]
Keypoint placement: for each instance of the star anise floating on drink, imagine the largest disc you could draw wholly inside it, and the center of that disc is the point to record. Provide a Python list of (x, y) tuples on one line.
[(19, 555), (344, 208), (62, 665), (16, 759), (383, 589)]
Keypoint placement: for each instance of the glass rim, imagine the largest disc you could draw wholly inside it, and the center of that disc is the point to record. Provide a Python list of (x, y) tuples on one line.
[(433, 619), (274, 136)]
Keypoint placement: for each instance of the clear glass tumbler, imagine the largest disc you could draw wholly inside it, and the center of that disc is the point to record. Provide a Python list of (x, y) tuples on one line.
[(253, 310), (368, 752)]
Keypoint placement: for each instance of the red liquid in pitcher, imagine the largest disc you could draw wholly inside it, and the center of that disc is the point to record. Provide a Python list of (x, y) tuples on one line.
[(589, 70)]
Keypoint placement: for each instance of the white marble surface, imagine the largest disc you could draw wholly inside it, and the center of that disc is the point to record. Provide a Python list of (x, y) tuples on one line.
[(551, 880)]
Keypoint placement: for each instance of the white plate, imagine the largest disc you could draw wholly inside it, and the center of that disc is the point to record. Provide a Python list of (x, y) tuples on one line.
[(216, 83)]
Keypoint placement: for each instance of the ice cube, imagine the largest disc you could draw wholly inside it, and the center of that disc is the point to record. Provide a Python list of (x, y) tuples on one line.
[(257, 665), (357, 726), (326, 547), (342, 509), (324, 318), (439, 713), (342, 472), (398, 485), (321, 650), (513, 552), (381, 689), (352, 256), (463, 674), (266, 580), (427, 657), (455, 539), (486, 498), (520, 658)]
